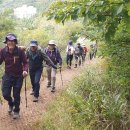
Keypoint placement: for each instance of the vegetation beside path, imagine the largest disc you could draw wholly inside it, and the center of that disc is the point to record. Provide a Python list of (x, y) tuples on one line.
[(90, 102)]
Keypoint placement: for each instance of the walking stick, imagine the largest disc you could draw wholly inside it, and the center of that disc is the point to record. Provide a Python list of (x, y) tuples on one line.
[(25, 92), (1, 102), (61, 77)]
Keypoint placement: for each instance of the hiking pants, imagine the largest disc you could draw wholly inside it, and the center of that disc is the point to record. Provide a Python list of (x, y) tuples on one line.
[(51, 76), (8, 83), (35, 76), (83, 57), (91, 55), (78, 59), (69, 59)]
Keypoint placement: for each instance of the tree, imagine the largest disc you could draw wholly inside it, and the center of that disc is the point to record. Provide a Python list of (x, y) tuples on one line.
[(107, 21)]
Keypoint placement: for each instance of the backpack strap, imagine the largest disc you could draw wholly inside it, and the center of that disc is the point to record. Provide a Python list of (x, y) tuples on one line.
[(17, 52)]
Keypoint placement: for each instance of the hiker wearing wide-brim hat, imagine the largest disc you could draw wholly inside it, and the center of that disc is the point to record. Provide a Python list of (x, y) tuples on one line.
[(10, 37), (54, 54), (36, 57), (16, 68)]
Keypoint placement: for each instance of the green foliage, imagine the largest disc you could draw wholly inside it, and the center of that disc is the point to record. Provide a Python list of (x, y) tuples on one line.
[(6, 23), (106, 21), (92, 101)]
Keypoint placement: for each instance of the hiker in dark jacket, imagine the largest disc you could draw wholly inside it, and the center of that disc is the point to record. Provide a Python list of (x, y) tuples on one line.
[(78, 52), (54, 54), (36, 57), (16, 68)]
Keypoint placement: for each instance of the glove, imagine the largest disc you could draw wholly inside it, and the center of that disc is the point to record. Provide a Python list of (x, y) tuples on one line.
[(25, 73), (54, 66)]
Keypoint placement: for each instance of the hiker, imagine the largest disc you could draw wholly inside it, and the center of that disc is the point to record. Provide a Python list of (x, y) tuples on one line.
[(93, 50), (85, 50), (16, 68), (78, 52), (70, 52), (54, 54), (36, 56)]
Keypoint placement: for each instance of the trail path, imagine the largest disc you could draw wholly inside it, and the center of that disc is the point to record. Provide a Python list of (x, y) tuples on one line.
[(29, 115)]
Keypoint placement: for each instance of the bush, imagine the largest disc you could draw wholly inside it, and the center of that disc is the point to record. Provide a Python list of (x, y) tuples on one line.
[(90, 102)]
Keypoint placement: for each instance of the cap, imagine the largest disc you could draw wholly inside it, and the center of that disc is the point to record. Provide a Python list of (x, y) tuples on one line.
[(33, 43)]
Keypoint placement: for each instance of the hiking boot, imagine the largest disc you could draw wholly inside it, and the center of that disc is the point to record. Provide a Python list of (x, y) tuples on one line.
[(53, 89), (35, 99), (48, 85), (10, 109), (68, 67), (16, 115), (32, 93)]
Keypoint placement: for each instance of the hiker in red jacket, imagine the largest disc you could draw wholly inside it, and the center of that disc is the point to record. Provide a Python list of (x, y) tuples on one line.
[(16, 68), (85, 50)]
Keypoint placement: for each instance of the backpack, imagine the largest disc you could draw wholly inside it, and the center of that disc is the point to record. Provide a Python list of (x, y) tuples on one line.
[(56, 51), (78, 50)]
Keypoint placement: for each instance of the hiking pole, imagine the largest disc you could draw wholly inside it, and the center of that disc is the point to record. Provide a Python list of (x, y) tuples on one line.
[(25, 92), (1, 102), (61, 77)]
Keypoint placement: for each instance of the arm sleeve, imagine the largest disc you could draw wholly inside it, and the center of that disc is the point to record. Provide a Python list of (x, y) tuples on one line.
[(1, 57), (46, 58), (24, 60)]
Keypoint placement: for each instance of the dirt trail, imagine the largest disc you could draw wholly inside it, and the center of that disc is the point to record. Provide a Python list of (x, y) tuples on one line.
[(34, 111)]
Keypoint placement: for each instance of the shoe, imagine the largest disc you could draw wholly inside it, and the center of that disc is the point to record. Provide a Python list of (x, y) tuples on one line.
[(10, 109), (35, 99), (32, 93), (53, 89), (16, 115), (48, 85)]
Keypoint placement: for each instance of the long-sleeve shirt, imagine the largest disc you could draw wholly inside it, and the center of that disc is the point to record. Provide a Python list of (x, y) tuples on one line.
[(54, 55), (36, 59), (15, 62), (70, 50)]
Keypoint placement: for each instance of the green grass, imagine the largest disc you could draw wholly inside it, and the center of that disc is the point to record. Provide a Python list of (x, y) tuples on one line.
[(90, 102)]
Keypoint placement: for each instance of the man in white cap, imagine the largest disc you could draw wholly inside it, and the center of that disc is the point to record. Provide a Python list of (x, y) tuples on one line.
[(36, 57), (54, 54)]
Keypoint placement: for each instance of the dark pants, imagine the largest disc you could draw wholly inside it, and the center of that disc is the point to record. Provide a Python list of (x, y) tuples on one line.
[(69, 59), (83, 57), (91, 55), (9, 82), (35, 76)]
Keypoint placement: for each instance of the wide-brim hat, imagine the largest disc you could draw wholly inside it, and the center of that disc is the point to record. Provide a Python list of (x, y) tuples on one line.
[(11, 37), (52, 42)]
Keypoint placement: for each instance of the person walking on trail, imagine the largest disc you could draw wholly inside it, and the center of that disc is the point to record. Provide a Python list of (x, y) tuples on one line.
[(16, 68), (36, 56), (93, 50), (70, 52), (85, 50), (54, 54), (78, 55)]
